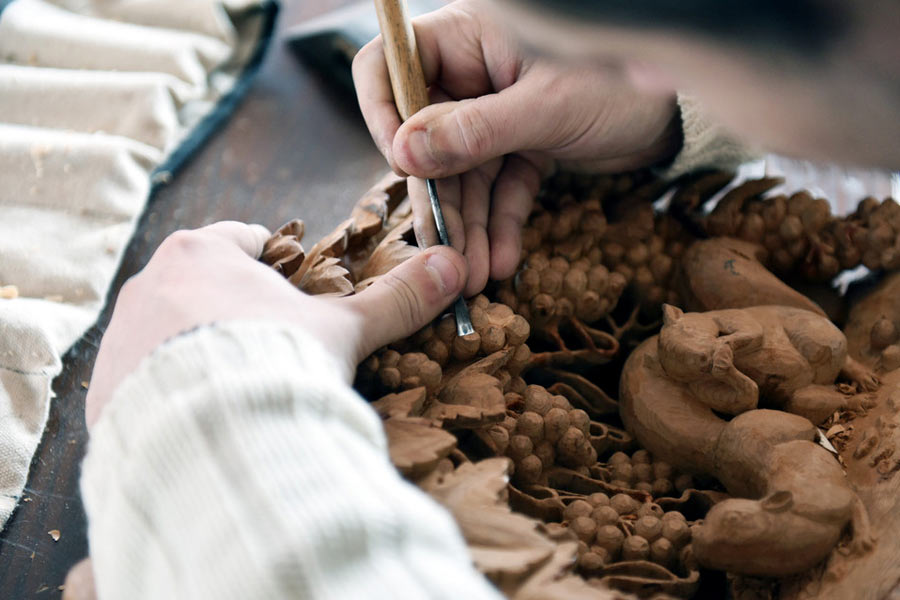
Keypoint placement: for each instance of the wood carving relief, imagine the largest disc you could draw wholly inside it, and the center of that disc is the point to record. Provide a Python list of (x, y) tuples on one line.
[(651, 405)]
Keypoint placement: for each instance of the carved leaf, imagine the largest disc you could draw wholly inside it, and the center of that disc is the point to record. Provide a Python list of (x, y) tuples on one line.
[(552, 581), (389, 253), (474, 400), (325, 278), (472, 397), (372, 211), (416, 445), (404, 404), (332, 245), (505, 546), (283, 250), (489, 365), (295, 228)]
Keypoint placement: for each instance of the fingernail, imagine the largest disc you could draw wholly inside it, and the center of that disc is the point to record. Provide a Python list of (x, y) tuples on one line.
[(420, 151), (420, 239), (443, 272)]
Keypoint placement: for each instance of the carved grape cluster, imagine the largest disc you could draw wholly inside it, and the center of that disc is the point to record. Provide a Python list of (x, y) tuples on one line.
[(619, 528), (542, 430), (641, 472), (645, 252), (803, 237), (422, 359), (547, 288)]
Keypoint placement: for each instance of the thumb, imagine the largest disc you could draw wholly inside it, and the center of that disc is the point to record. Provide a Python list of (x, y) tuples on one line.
[(409, 296), (453, 137)]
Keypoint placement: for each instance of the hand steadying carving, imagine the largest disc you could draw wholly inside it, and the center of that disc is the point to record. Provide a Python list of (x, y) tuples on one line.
[(211, 274)]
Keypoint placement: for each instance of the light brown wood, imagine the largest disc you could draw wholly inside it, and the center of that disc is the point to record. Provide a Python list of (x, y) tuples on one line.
[(402, 55)]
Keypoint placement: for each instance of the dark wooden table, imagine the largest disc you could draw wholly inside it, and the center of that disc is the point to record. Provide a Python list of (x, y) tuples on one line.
[(296, 147)]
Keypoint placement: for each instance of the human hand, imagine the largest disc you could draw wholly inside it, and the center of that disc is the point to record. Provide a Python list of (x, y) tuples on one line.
[(79, 584), (212, 274), (502, 121)]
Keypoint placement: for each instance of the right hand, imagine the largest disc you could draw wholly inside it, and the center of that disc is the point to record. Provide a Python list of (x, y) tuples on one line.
[(502, 121)]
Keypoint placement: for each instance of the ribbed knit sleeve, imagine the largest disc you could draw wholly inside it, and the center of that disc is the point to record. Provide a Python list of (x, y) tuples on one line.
[(235, 462), (706, 144)]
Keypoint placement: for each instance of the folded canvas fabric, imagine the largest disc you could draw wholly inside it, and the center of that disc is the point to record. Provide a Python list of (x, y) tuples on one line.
[(98, 99)]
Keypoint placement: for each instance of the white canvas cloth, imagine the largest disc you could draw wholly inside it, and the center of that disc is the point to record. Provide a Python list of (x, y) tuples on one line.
[(94, 95)]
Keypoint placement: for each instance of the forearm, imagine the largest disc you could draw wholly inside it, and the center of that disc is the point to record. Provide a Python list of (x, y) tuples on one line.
[(235, 463)]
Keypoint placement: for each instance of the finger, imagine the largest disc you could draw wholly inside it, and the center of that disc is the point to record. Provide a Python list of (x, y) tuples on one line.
[(409, 296), (476, 203), (453, 137), (465, 54), (376, 98), (423, 215), (423, 220), (79, 584), (372, 81), (249, 238), (514, 192)]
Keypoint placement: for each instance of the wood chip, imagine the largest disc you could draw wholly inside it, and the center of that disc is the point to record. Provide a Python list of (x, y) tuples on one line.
[(835, 429), (54, 533), (85, 384), (9, 292)]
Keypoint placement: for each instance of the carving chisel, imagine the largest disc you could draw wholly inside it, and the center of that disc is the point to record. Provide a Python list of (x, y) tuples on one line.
[(410, 96)]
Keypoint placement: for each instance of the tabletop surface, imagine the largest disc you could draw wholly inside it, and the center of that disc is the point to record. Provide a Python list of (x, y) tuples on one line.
[(295, 148)]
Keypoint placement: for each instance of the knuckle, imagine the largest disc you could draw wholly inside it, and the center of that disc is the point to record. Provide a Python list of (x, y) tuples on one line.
[(358, 66), (180, 242), (405, 301), (475, 131)]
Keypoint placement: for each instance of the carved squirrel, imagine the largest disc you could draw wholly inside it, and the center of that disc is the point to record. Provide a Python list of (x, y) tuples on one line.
[(796, 501)]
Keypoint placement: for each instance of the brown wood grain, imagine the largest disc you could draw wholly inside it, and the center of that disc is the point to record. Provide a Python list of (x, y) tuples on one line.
[(402, 56), (296, 147)]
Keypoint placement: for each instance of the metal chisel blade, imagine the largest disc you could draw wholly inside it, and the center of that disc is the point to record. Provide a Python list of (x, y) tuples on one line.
[(463, 320)]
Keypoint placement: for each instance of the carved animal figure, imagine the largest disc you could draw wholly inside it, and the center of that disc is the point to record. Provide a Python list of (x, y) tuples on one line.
[(795, 499), (788, 356), (727, 273)]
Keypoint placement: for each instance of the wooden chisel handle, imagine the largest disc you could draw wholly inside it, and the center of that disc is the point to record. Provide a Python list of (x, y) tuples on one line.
[(402, 55)]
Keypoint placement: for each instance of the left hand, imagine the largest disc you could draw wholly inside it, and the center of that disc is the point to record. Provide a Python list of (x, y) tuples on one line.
[(212, 274)]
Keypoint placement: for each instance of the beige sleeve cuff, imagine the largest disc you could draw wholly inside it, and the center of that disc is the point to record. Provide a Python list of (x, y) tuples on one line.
[(236, 463), (707, 145)]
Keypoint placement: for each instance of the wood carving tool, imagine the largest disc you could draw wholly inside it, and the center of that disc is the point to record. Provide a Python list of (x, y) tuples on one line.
[(411, 95)]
